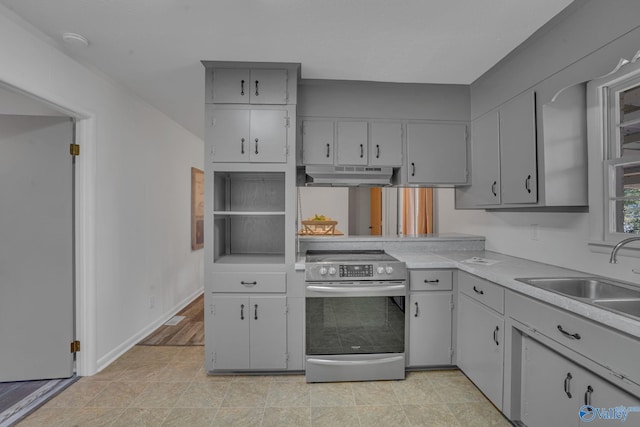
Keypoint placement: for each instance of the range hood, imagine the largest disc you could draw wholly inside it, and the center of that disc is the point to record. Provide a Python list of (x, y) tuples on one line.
[(348, 176)]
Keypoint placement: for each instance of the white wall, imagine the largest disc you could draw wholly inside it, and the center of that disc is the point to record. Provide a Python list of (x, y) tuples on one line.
[(142, 194), (331, 202)]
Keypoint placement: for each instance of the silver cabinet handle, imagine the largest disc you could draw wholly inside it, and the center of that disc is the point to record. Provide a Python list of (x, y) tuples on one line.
[(493, 188), (328, 150), (242, 146), (241, 311), (587, 395), (361, 151), (527, 183), (242, 87), (417, 310), (242, 282), (255, 313), (256, 145), (413, 169), (257, 92), (567, 384), (575, 336), (377, 151), (478, 291), (495, 335)]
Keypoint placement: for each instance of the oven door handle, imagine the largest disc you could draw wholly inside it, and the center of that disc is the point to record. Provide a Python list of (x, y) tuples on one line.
[(331, 362), (347, 291)]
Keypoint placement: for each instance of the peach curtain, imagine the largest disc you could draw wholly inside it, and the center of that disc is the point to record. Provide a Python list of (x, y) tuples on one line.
[(417, 211)]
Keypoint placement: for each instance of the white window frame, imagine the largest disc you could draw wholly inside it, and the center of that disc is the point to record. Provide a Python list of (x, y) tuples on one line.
[(604, 148)]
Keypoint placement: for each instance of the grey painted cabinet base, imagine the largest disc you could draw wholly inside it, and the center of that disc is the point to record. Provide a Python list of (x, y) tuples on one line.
[(430, 329)]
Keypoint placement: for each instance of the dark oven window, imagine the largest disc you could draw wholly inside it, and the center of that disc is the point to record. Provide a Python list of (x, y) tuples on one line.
[(355, 325)]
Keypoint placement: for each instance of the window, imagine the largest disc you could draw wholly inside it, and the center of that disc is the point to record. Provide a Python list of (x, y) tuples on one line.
[(622, 148)]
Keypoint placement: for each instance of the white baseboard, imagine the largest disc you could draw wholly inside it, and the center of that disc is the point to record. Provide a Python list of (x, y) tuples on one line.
[(114, 354)]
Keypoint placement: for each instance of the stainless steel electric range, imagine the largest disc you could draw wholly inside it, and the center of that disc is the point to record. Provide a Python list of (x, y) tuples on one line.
[(355, 321)]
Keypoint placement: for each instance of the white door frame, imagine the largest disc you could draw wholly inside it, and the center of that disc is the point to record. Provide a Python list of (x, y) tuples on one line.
[(85, 209)]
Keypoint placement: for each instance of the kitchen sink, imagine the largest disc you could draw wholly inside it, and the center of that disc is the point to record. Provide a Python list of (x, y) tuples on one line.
[(591, 288), (624, 306)]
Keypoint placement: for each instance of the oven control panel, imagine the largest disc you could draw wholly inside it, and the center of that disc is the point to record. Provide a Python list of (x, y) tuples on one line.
[(359, 270)]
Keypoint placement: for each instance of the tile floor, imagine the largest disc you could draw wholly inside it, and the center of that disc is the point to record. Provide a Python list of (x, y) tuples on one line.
[(167, 386)]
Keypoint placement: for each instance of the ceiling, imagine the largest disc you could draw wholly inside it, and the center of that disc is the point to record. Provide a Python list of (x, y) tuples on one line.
[(154, 47)]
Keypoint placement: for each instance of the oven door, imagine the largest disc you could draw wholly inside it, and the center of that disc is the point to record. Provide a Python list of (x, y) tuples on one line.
[(355, 331)]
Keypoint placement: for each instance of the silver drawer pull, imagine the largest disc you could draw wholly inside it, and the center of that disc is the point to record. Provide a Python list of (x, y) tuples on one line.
[(478, 291), (432, 281), (248, 283), (575, 336)]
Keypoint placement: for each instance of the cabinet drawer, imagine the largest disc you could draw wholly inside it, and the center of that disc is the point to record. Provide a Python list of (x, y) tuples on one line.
[(487, 293), (249, 282), (610, 348), (430, 280)]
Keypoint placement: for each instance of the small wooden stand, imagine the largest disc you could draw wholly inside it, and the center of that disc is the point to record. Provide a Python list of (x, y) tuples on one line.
[(316, 228)]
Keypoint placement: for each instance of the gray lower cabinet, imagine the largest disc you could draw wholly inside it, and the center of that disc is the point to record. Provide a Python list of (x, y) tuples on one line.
[(248, 332), (480, 346), (555, 389), (430, 328)]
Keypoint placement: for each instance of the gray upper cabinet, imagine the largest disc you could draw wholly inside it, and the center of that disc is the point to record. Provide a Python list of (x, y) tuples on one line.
[(352, 144), (485, 160), (518, 166), (317, 142), (436, 153), (385, 148), (240, 135), (247, 86)]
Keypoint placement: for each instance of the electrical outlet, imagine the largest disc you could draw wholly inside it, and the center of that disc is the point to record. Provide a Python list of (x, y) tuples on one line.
[(152, 301), (534, 231)]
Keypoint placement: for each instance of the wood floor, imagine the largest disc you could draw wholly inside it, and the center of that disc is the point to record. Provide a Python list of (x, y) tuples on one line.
[(188, 332)]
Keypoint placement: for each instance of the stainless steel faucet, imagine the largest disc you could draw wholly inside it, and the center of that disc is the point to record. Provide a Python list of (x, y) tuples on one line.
[(617, 247)]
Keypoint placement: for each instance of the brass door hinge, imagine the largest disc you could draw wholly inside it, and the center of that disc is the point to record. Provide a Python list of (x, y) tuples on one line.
[(74, 149), (75, 346)]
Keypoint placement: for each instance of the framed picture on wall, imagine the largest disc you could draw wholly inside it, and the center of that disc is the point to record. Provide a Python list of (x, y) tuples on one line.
[(197, 209)]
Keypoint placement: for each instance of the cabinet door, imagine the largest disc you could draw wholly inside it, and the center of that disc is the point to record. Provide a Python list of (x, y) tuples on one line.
[(430, 329), (385, 148), (230, 86), (229, 325), (228, 134), (317, 142), (518, 165), (268, 343), (352, 143), (268, 87), (268, 142), (485, 160), (550, 393), (436, 153), (480, 347), (600, 394)]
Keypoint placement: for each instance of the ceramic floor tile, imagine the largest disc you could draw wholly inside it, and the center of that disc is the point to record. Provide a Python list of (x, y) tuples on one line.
[(46, 417), (118, 394), (189, 354), (160, 395), (478, 414), (332, 394), (77, 395), (92, 417), (144, 372), (203, 395), (238, 417), (177, 372), (286, 417), (436, 415), (334, 416), (283, 394), (190, 417), (383, 416), (246, 394), (374, 393), (141, 417), (417, 392), (456, 390)]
